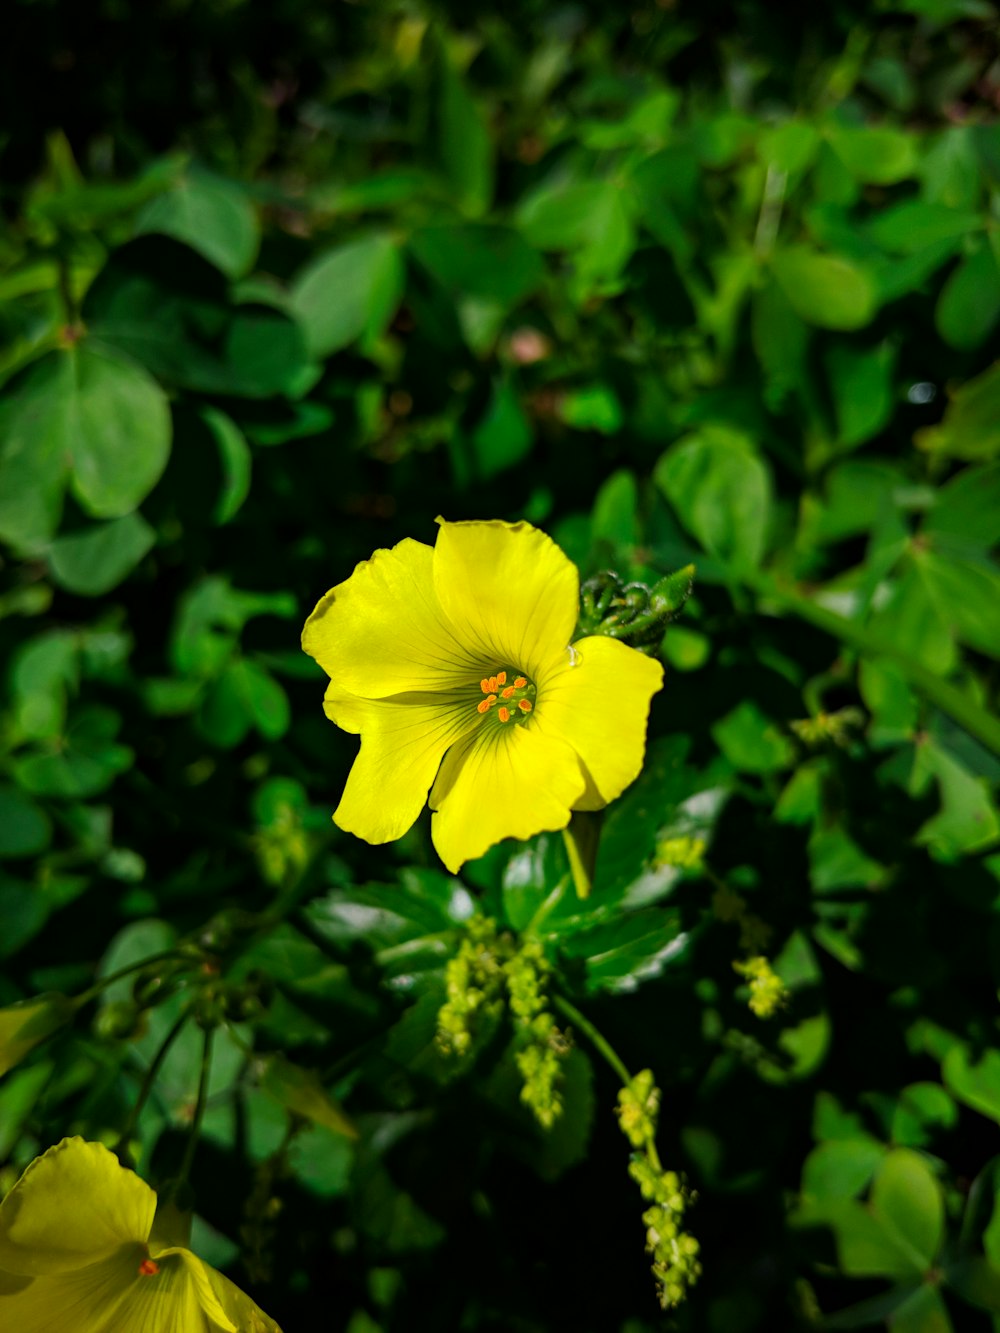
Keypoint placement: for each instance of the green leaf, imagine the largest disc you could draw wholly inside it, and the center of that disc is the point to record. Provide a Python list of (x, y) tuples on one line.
[(913, 224), (464, 142), (861, 380), (25, 829), (827, 290), (924, 1312), (212, 216), (969, 305), (966, 595), (84, 764), (915, 624), (880, 156), (615, 518), (865, 1248), (301, 1092), (502, 436), (589, 219), (95, 560), (750, 740), (622, 953), (234, 457), (487, 261), (840, 1168), (963, 518), (968, 820), (592, 407), (89, 409), (976, 1281), (244, 696), (349, 293), (971, 425), (721, 491), (907, 1198), (974, 1079)]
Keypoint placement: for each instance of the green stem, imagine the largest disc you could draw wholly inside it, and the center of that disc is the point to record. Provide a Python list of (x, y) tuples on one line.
[(951, 700), (596, 1039), (581, 838), (78, 1001), (199, 1110), (147, 1083)]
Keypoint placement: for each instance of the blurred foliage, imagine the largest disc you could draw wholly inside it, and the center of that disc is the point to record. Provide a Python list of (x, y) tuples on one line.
[(686, 284)]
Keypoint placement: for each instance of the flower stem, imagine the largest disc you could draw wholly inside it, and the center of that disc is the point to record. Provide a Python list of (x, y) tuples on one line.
[(92, 992), (199, 1110), (147, 1083), (596, 1039), (581, 837)]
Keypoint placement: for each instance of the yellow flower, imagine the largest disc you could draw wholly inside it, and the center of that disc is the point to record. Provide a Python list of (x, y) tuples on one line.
[(454, 664), (25, 1024), (80, 1252)]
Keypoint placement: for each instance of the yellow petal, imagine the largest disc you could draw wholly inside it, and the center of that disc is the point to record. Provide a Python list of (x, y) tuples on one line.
[(600, 707), (74, 1206), (402, 743), (501, 785), (383, 632), (93, 1299), (25, 1024), (181, 1290), (509, 590), (241, 1310)]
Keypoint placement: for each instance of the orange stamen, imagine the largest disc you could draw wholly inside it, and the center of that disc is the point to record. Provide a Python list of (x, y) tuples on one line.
[(501, 677), (505, 694), (504, 714), (520, 683), (524, 705), (486, 704), (484, 685), (149, 1268), (493, 684)]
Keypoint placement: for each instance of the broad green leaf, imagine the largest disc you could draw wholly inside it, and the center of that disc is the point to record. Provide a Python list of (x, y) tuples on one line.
[(212, 216), (966, 595), (348, 293), (970, 428), (488, 261), (721, 491), (827, 290), (96, 559), (592, 407), (465, 145), (83, 764), (615, 517), (840, 1168), (88, 410), (865, 1248), (976, 1281), (913, 225), (25, 829), (924, 1312), (915, 624), (861, 381), (969, 305), (974, 1078), (302, 1093), (502, 437), (964, 516), (244, 696), (751, 741), (907, 1198), (880, 156), (589, 219)]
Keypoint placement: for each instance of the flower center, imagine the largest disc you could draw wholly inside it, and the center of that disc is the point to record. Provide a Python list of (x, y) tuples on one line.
[(508, 702), (149, 1268)]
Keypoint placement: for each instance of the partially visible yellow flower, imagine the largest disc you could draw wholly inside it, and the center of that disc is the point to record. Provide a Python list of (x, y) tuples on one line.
[(80, 1252), (25, 1024), (454, 664)]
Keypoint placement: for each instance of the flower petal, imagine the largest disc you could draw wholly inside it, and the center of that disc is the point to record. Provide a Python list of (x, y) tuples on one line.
[(493, 786), (509, 589), (403, 740), (600, 707), (244, 1313), (383, 631), (94, 1299), (25, 1024), (180, 1291), (73, 1206)]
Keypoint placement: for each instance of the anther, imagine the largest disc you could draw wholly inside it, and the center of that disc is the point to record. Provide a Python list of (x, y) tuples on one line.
[(504, 714), (520, 683), (486, 704), (505, 694), (149, 1268), (524, 705), (501, 677), (484, 685)]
